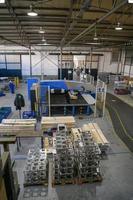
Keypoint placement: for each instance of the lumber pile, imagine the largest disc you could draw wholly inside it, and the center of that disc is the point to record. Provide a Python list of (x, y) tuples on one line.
[(76, 134), (16, 127), (19, 127), (19, 121), (52, 122), (97, 135)]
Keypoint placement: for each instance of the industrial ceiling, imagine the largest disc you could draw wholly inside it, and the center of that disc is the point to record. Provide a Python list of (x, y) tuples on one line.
[(66, 22)]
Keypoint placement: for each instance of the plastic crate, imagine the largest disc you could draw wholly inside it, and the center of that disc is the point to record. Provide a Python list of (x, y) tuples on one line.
[(28, 115), (4, 112)]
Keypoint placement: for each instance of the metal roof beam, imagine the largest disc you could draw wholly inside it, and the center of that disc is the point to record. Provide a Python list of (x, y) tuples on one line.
[(21, 33), (84, 6), (123, 2)]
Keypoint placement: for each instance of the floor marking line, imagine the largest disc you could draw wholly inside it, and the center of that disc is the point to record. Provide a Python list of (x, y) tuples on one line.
[(118, 116)]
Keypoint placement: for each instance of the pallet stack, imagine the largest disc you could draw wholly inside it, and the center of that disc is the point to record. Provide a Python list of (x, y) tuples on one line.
[(64, 159), (87, 156)]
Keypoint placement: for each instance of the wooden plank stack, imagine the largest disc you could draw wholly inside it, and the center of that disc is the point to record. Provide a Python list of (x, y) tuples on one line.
[(97, 135), (19, 121), (19, 127), (52, 122)]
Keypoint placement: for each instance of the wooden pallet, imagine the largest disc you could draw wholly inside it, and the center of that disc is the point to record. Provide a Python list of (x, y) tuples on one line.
[(90, 180), (44, 183), (65, 182)]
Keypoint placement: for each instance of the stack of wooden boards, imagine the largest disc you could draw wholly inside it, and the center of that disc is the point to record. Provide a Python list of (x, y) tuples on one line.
[(19, 127), (52, 122), (97, 135)]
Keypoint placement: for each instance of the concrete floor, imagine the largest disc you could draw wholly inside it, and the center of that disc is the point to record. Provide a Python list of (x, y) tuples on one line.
[(117, 168)]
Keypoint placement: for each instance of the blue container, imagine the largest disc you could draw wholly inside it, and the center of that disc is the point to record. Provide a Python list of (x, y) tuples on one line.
[(93, 94), (4, 112), (28, 115)]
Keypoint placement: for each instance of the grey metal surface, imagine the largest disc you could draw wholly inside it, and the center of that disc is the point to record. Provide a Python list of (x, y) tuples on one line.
[(122, 119)]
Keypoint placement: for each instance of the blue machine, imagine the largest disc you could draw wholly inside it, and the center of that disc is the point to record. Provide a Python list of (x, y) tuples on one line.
[(30, 82)]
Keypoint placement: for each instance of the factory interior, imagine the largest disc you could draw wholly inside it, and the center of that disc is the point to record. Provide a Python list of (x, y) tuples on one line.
[(66, 100)]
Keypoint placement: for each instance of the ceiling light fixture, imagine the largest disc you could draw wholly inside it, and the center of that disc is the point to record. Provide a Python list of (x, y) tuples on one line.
[(95, 35), (2, 1), (43, 44), (93, 43), (41, 31), (43, 39), (118, 27), (130, 1), (32, 13)]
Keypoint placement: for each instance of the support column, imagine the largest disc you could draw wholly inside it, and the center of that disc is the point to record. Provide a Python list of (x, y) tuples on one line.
[(42, 66), (60, 63), (91, 59), (49, 106), (30, 62), (119, 61)]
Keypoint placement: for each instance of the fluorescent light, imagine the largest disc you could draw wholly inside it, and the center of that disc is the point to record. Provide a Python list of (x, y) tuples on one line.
[(118, 27), (2, 1), (41, 31), (130, 1), (32, 13), (94, 43), (95, 38), (43, 44)]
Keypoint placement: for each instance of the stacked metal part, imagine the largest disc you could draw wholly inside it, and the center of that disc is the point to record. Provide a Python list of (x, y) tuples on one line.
[(36, 167), (87, 156), (64, 157)]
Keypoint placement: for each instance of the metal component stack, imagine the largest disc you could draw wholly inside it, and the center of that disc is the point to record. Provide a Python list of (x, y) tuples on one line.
[(36, 167), (87, 156), (64, 159)]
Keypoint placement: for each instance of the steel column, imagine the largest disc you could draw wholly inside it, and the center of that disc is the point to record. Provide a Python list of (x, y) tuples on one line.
[(60, 63), (30, 62)]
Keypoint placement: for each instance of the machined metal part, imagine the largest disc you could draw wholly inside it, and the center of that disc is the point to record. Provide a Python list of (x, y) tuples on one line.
[(36, 167)]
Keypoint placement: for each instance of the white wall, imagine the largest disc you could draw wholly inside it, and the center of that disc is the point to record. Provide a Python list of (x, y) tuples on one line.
[(128, 71), (49, 65), (105, 64)]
